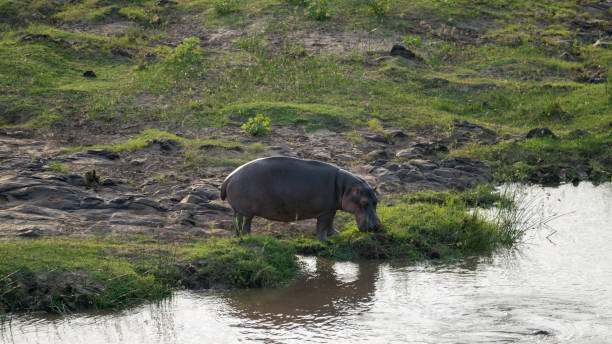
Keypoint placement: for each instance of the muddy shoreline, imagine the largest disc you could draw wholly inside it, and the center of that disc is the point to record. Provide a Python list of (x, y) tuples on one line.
[(150, 191)]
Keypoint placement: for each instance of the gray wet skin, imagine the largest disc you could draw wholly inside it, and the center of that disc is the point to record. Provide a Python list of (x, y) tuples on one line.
[(290, 189)]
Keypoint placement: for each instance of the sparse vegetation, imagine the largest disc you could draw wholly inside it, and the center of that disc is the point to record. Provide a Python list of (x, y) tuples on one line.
[(319, 9), (378, 7), (58, 167), (412, 42), (226, 6), (257, 126)]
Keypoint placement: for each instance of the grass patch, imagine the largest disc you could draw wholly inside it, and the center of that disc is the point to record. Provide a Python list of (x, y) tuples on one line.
[(518, 160), (62, 275), (439, 225)]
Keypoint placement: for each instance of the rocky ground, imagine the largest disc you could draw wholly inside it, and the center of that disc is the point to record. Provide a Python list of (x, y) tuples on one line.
[(148, 191)]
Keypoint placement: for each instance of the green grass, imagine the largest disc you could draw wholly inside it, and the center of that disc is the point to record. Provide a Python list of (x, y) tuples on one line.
[(428, 225), (515, 161), (61, 275)]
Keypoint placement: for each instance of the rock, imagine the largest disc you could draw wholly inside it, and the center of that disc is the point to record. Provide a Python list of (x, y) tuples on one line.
[(163, 3), (204, 190), (464, 131), (344, 157), (409, 176), (146, 204), (34, 36), (392, 167), (108, 182), (30, 232), (75, 180), (400, 50), (379, 162), (407, 154), (216, 205), (377, 138), (105, 153), (121, 202), (89, 74), (540, 132), (321, 155), (138, 161), (3, 132), (118, 51), (396, 133), (150, 56), (429, 148), (92, 203), (167, 145), (193, 199), (466, 164), (383, 59), (546, 176), (423, 165)]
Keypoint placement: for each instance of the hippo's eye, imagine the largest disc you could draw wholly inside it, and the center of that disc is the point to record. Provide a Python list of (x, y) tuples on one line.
[(364, 202)]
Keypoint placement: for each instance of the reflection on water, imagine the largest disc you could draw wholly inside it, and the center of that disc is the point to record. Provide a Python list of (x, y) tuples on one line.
[(559, 283)]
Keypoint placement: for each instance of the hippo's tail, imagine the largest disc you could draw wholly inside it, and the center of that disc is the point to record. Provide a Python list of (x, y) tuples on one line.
[(223, 193)]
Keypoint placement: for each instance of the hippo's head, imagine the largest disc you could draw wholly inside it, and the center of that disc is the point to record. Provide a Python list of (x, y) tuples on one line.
[(360, 200)]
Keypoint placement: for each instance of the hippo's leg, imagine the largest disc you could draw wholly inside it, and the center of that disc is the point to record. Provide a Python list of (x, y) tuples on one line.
[(324, 225), (242, 224)]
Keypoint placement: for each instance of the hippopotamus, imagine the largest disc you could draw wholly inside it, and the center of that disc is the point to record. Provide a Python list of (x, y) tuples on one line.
[(290, 189)]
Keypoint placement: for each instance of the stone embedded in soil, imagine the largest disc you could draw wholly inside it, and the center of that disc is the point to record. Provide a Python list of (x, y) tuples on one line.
[(105, 153), (400, 50), (89, 74), (118, 51), (167, 145), (540, 132), (30, 232), (464, 131), (377, 138)]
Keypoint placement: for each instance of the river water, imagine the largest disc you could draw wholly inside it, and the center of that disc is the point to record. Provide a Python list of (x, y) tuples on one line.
[(556, 287)]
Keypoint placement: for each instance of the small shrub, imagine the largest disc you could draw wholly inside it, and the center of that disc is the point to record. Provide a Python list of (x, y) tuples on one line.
[(258, 125), (378, 7), (412, 42), (319, 9), (58, 167), (186, 53), (375, 125), (226, 6)]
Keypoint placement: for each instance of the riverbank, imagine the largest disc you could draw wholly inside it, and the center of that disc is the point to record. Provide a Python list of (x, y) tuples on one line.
[(65, 274)]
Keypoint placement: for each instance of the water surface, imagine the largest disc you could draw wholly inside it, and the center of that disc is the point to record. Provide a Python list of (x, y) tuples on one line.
[(555, 288)]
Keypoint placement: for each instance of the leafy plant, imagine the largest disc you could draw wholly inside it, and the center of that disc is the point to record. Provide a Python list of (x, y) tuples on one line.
[(186, 53), (226, 6), (58, 167), (576, 46), (258, 125), (319, 9), (412, 42), (378, 7)]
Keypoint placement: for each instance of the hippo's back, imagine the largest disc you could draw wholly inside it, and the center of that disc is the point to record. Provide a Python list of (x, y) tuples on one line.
[(281, 188)]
